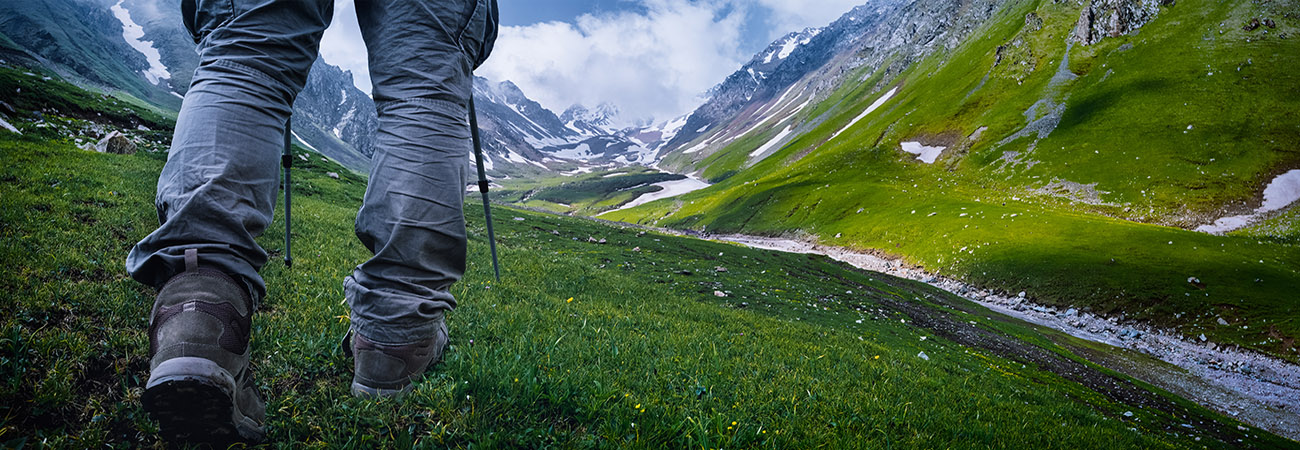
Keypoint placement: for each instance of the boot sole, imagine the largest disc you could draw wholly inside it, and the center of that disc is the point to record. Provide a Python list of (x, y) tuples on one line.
[(193, 400), (362, 391)]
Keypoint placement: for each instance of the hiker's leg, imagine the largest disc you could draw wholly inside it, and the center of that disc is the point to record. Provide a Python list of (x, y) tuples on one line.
[(421, 55), (217, 191)]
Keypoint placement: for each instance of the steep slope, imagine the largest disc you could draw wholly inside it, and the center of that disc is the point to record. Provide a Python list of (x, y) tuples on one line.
[(996, 147), (81, 40)]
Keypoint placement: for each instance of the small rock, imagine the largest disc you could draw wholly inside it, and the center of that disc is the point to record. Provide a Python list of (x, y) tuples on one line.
[(719, 294), (1021, 294), (601, 241), (304, 157), (1202, 336), (519, 219), (720, 269), (1222, 322), (591, 239), (636, 249), (924, 356), (1128, 413), (1071, 312), (334, 175), (115, 143)]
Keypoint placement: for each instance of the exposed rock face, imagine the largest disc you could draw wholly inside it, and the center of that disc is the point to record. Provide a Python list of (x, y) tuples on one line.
[(1110, 18), (115, 143), (334, 106), (886, 34)]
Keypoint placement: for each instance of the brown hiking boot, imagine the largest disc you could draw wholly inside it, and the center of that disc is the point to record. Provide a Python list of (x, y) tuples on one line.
[(200, 388), (384, 370)]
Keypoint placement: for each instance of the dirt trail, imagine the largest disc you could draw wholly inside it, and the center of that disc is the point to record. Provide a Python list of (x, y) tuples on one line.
[(1254, 388)]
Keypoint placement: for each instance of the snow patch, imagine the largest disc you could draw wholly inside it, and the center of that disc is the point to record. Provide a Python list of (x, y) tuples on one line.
[(878, 103), (581, 152), (5, 124), (789, 47), (487, 161), (670, 189), (178, 95), (696, 148), (302, 141), (1280, 193), (580, 170), (133, 34), (924, 153), (773, 142)]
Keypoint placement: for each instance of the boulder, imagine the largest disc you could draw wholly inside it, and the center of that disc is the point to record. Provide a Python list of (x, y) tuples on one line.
[(1111, 18), (116, 143)]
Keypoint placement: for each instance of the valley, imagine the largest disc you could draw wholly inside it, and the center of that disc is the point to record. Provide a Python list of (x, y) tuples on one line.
[(929, 223)]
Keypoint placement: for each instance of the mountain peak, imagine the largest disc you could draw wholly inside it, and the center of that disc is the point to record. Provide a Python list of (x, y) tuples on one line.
[(601, 120)]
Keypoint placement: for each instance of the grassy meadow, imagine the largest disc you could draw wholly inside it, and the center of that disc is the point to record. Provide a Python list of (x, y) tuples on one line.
[(645, 341)]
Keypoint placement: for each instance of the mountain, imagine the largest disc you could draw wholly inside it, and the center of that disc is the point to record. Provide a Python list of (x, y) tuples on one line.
[(335, 118), (80, 40), (1105, 155), (591, 121), (523, 139), (141, 48)]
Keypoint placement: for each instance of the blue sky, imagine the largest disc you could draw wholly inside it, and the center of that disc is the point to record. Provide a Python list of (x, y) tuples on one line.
[(650, 58)]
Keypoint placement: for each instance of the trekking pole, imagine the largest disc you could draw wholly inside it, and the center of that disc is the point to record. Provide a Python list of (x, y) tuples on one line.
[(483, 183), (286, 161)]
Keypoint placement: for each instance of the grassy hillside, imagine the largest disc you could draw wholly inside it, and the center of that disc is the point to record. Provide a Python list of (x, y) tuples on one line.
[(585, 194), (646, 341), (582, 344), (1177, 124)]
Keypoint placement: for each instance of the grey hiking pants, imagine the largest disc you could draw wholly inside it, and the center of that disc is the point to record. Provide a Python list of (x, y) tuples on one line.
[(218, 189)]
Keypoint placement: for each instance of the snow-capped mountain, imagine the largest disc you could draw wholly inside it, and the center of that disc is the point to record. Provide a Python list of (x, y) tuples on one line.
[(522, 138), (768, 95), (601, 120), (142, 47)]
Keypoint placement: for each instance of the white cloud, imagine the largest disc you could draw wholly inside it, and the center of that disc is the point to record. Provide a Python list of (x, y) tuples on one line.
[(342, 45), (648, 64), (652, 60)]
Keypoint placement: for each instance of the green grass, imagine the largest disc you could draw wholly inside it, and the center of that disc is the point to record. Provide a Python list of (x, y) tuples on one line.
[(586, 194), (622, 344), (28, 91), (1124, 129), (626, 343)]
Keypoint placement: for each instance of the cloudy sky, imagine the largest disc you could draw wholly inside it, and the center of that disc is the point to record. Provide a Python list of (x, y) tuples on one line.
[(648, 57)]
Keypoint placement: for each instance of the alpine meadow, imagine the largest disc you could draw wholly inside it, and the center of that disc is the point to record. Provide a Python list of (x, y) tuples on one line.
[(925, 224)]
